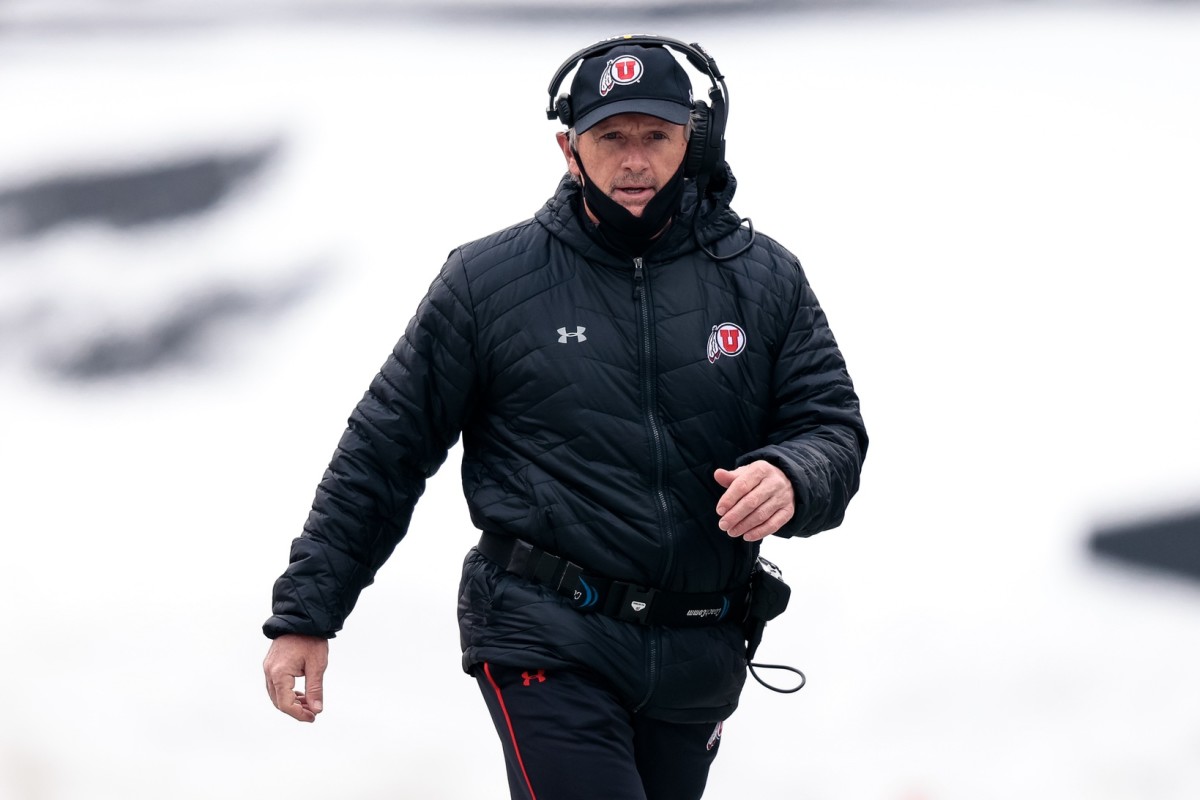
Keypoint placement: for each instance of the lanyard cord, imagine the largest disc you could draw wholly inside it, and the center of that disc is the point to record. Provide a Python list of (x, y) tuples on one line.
[(796, 688), (701, 188)]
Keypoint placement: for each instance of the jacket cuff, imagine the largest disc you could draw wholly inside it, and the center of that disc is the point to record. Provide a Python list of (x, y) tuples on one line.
[(279, 625)]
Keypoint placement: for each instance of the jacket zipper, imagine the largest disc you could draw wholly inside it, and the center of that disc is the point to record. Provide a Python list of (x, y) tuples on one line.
[(641, 282), (646, 369)]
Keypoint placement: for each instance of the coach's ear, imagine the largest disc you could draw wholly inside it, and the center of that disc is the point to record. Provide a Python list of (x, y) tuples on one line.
[(565, 144)]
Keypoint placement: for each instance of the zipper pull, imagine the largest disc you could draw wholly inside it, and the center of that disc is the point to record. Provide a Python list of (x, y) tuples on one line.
[(638, 276)]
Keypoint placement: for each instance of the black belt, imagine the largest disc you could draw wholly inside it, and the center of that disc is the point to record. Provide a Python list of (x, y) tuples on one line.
[(624, 601)]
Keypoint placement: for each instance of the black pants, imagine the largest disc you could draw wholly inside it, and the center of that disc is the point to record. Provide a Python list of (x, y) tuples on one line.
[(566, 737)]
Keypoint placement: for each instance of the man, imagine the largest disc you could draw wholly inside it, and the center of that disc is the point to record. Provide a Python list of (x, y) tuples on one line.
[(645, 390)]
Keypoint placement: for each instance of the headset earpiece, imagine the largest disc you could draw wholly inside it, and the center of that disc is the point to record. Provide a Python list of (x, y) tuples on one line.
[(562, 109), (714, 139), (694, 160)]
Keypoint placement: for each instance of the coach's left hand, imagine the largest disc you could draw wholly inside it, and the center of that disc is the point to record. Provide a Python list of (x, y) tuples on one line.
[(757, 502)]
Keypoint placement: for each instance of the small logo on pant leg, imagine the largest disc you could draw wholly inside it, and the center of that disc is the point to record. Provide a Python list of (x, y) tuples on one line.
[(715, 739), (530, 677)]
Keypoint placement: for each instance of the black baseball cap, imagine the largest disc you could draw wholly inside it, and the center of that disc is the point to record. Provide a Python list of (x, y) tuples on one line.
[(630, 79)]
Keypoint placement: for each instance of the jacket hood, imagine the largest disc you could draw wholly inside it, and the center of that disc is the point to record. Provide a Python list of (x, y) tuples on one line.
[(564, 218)]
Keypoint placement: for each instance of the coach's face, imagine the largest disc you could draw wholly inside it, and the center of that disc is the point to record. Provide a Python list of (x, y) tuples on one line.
[(628, 156)]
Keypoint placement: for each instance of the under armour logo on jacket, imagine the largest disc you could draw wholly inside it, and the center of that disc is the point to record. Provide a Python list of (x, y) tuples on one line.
[(564, 337)]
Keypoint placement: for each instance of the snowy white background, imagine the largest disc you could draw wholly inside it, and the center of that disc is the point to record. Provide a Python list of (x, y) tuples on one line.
[(996, 204)]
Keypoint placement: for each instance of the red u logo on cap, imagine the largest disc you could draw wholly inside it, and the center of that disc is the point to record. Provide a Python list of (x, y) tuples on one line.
[(627, 69)]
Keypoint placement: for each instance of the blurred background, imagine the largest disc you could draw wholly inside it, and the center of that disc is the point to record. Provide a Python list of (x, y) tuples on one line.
[(216, 218)]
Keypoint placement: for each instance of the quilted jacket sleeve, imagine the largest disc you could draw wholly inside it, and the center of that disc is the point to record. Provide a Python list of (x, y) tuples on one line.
[(817, 436), (398, 435)]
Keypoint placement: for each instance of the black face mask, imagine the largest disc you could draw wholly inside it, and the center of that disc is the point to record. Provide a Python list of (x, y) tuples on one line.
[(629, 233)]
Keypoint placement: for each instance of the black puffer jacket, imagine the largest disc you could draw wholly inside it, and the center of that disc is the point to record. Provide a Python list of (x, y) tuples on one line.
[(593, 415)]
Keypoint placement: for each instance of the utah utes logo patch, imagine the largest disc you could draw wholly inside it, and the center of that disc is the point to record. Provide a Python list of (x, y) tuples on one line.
[(726, 339), (623, 70)]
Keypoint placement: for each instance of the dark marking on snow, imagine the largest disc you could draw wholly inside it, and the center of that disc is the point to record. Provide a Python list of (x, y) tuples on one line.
[(201, 328), (132, 197), (1169, 543)]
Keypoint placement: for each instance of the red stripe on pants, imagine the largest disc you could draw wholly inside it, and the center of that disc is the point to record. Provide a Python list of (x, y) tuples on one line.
[(508, 721)]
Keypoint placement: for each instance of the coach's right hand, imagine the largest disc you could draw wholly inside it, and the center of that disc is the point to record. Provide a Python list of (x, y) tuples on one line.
[(293, 656)]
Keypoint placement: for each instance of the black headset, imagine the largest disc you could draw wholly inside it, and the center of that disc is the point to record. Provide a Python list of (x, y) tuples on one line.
[(705, 156)]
